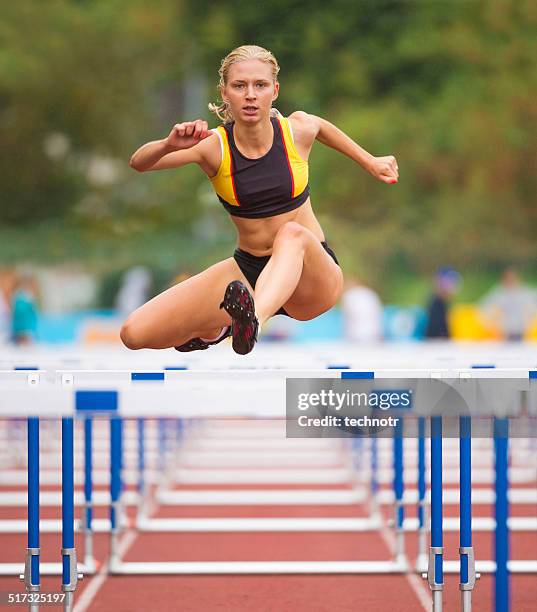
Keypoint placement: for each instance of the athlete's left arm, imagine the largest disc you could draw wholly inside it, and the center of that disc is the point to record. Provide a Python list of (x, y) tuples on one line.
[(385, 169)]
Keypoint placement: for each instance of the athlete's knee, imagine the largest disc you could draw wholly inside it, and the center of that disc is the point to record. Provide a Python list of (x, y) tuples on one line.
[(309, 315), (130, 335), (292, 231)]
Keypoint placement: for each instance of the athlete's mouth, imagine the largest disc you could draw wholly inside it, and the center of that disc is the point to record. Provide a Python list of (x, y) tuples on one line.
[(250, 109)]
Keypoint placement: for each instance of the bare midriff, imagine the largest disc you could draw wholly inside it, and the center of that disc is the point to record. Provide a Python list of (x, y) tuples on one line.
[(256, 236)]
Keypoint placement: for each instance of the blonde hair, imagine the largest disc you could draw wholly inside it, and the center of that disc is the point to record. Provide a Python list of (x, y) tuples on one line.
[(240, 54)]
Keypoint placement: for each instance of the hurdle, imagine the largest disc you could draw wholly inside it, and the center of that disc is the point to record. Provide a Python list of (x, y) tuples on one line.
[(21, 379), (116, 566), (33, 569), (125, 399), (466, 567), (258, 497)]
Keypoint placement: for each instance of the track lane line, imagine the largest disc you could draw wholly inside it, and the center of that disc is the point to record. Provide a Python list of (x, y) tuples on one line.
[(97, 581), (416, 582)]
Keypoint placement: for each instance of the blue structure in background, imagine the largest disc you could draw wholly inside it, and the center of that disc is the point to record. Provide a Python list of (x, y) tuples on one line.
[(329, 326), (404, 322), (66, 328), (399, 323)]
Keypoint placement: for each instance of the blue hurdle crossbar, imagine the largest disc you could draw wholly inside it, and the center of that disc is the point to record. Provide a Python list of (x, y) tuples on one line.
[(358, 375), (147, 376)]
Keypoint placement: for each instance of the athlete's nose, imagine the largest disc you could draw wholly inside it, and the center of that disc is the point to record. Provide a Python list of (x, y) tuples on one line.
[(250, 94)]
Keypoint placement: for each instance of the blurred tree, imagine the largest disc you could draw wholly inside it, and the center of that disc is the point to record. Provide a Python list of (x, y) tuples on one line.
[(449, 88)]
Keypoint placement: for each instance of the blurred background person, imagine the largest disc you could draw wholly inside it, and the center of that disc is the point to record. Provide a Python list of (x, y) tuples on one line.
[(511, 305), (6, 290), (134, 290), (24, 311), (362, 312), (446, 283)]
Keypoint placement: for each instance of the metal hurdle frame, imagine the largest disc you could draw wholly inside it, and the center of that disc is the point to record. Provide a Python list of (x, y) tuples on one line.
[(435, 571), (68, 567), (397, 565), (501, 567), (165, 568)]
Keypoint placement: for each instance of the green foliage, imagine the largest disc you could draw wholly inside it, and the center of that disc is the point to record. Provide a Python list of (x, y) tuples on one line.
[(447, 87)]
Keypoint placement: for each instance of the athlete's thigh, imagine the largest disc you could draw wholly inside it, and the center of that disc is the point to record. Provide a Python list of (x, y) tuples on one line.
[(320, 285), (188, 307)]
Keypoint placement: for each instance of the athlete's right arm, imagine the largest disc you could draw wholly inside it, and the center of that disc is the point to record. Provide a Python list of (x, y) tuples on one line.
[(184, 145)]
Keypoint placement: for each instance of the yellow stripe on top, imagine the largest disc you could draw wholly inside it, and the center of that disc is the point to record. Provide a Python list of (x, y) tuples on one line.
[(299, 166), (223, 181)]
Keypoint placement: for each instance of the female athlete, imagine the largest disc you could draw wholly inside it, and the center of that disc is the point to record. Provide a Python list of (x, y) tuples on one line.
[(257, 162)]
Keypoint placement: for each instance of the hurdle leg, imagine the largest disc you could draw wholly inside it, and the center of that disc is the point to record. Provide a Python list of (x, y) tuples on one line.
[(89, 560), (466, 551), (399, 508), (115, 490), (163, 449), (121, 509), (178, 433), (421, 560), (70, 574), (435, 571), (31, 566), (501, 510), (375, 506), (356, 452), (140, 425)]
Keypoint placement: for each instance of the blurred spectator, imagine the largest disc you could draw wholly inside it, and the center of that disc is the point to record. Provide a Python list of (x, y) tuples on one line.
[(511, 305), (446, 284), (24, 311), (6, 289), (134, 290), (362, 312)]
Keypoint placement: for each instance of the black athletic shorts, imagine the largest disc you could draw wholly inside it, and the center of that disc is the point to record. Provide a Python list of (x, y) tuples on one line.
[(252, 266)]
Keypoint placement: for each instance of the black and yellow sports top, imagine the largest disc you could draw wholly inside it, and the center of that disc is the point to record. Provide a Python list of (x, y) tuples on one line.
[(270, 185)]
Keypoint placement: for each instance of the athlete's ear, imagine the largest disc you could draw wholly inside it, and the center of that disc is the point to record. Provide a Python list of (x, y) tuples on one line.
[(276, 91)]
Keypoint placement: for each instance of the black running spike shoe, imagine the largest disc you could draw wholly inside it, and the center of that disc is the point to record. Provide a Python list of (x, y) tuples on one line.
[(197, 344), (239, 305)]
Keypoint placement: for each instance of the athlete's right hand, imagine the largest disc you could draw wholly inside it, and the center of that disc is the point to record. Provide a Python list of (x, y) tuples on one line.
[(188, 134)]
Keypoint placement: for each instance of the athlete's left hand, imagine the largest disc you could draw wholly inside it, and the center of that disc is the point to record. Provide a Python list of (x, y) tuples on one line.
[(385, 169)]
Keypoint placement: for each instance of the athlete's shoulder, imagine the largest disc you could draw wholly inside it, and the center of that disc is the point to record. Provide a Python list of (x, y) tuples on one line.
[(211, 141), (305, 126), (210, 152), (304, 120), (299, 115)]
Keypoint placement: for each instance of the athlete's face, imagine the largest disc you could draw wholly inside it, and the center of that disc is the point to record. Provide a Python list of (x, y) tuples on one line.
[(250, 90)]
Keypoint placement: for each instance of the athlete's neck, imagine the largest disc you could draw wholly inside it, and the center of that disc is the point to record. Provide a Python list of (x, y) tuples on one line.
[(254, 139)]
